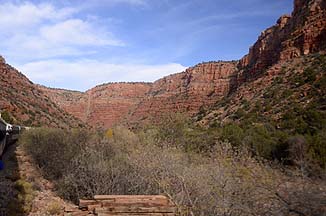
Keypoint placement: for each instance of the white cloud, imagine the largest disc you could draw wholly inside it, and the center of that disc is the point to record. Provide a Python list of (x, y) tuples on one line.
[(32, 31), (85, 74), (77, 32), (20, 17)]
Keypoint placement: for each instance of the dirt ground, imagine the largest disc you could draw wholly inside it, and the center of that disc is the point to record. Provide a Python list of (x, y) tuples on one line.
[(23, 190)]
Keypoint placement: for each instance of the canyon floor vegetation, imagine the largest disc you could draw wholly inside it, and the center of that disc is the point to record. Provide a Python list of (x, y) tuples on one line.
[(201, 172)]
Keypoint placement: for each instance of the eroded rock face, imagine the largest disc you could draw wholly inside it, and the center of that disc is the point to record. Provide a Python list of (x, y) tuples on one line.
[(102, 106), (302, 33)]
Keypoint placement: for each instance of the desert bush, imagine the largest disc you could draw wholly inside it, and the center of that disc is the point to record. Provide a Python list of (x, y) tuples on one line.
[(227, 180), (317, 148), (232, 133), (61, 145), (178, 131), (25, 198), (54, 208)]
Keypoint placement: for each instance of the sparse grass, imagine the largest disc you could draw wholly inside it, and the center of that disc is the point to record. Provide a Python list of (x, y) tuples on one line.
[(24, 199), (54, 208)]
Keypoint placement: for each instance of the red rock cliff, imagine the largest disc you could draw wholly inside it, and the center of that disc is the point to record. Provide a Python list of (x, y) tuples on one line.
[(302, 33), (188, 91), (102, 106)]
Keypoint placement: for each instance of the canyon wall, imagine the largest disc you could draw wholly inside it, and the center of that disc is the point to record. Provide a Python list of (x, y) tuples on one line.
[(102, 106), (109, 104), (198, 86), (302, 33)]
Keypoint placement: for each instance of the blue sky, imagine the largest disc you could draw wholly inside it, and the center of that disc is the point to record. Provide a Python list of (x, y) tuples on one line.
[(77, 44)]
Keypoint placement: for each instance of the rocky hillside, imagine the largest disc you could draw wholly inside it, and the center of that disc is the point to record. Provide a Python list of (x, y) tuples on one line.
[(291, 86), (199, 87), (287, 57), (26, 104), (102, 106)]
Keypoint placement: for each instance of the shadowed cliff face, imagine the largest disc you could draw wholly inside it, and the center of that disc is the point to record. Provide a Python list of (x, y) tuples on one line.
[(301, 33)]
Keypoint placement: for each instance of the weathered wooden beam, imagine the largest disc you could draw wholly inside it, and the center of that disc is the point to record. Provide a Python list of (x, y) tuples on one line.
[(157, 199), (135, 204), (85, 203), (104, 197), (128, 209), (123, 205)]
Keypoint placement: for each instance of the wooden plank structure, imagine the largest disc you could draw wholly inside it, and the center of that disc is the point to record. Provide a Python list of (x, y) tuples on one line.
[(124, 205)]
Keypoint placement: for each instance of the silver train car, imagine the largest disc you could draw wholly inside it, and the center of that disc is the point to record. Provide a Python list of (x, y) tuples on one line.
[(3, 136)]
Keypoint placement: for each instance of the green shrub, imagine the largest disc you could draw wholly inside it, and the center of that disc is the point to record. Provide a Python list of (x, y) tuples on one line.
[(7, 117), (309, 75), (245, 104), (317, 148), (232, 133), (239, 114)]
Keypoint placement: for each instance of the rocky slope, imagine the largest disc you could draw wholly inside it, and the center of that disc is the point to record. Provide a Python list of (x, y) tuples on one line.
[(28, 105), (199, 87), (289, 86)]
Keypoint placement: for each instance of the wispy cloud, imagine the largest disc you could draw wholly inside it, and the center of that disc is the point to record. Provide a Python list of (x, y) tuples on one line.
[(84, 74)]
